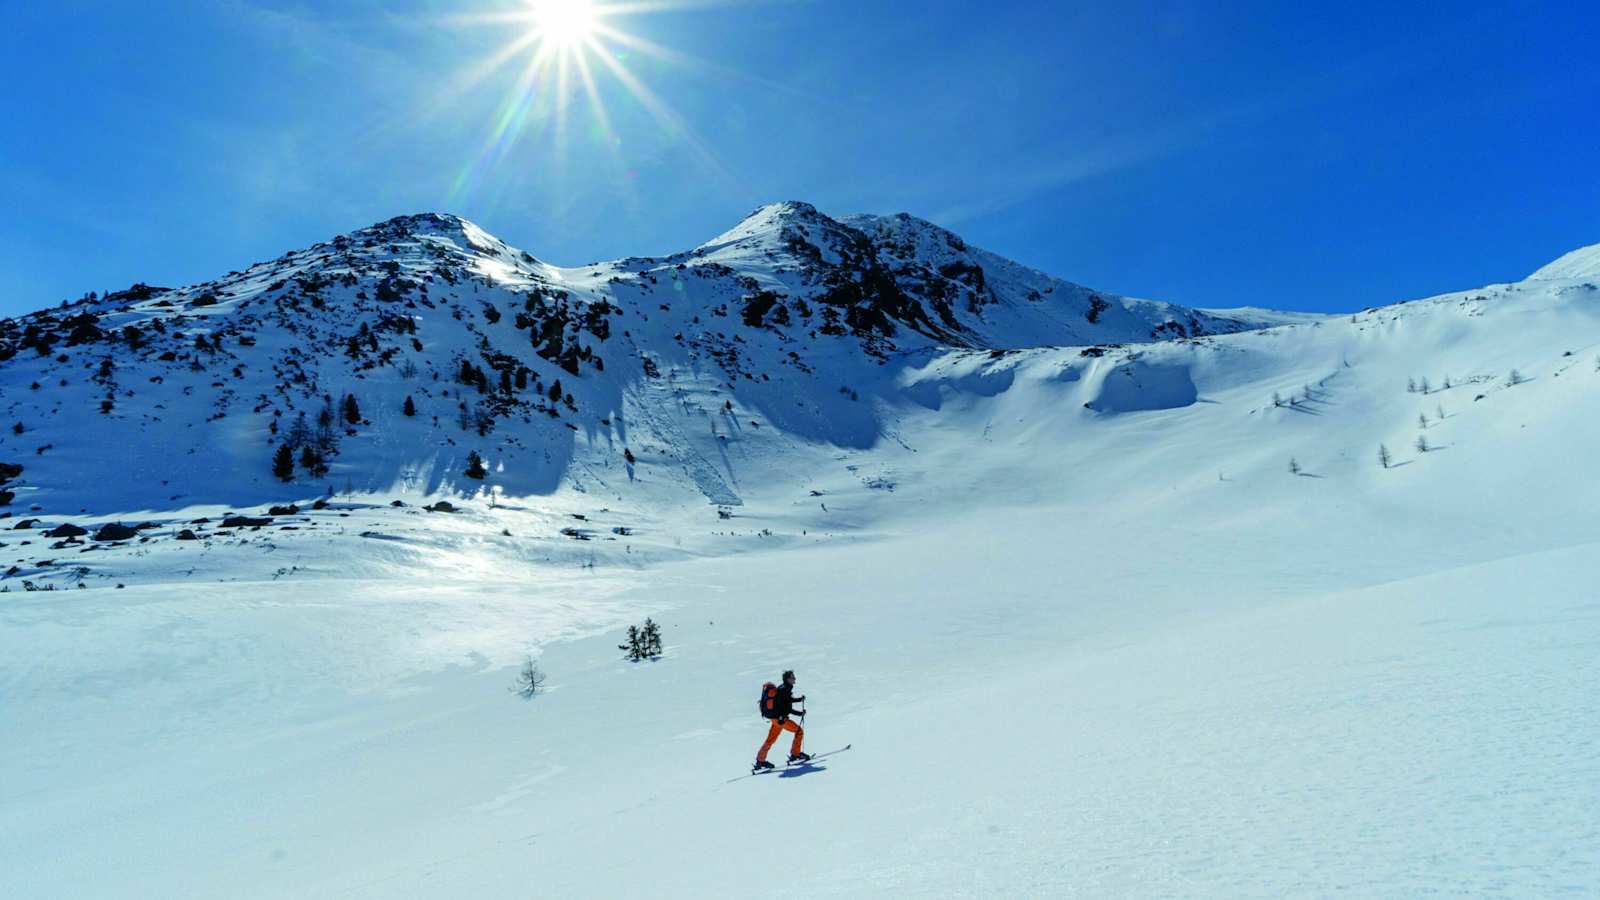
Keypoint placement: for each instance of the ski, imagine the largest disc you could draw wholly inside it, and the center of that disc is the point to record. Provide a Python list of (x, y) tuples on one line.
[(792, 767)]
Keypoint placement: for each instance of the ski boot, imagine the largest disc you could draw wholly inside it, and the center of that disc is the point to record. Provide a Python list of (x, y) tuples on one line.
[(799, 758), (761, 766)]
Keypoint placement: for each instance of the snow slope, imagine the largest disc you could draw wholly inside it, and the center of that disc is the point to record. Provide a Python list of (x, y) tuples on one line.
[(1086, 633), (1583, 262)]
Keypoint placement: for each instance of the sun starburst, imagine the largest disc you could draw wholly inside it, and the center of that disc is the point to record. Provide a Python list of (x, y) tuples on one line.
[(570, 52)]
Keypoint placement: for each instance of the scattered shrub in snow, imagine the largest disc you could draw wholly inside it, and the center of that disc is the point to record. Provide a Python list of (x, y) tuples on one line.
[(529, 680), (1097, 305), (475, 418), (352, 410), (410, 407), (475, 467)]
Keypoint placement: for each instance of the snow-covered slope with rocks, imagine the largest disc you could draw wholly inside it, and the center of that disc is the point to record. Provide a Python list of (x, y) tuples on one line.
[(383, 360), (1299, 610)]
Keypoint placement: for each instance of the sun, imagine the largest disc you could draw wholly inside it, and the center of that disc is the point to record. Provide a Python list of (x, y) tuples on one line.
[(566, 56), (565, 23)]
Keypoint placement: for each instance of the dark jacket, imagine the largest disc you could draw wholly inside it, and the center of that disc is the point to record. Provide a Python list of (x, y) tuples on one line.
[(784, 705)]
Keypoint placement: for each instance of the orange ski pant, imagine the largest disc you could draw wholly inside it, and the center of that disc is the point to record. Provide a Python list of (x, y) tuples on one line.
[(777, 728)]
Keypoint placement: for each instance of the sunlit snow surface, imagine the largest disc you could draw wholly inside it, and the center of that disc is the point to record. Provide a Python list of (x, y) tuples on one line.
[(1086, 637)]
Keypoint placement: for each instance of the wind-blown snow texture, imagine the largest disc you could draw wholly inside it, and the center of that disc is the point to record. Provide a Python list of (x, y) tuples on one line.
[(1035, 550)]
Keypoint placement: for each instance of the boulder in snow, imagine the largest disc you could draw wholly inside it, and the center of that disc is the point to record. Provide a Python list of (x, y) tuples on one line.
[(115, 531)]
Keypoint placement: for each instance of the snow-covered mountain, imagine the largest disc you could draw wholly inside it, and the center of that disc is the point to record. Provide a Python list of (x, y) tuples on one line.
[(448, 342), (1583, 262), (1295, 610)]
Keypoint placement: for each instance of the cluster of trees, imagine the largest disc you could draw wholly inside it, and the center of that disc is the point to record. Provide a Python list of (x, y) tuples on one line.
[(1424, 386), (644, 642), (312, 448)]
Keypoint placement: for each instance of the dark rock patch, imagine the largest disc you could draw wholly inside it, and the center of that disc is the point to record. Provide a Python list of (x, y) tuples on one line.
[(115, 531)]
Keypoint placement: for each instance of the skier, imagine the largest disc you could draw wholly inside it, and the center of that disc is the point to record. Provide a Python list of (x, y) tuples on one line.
[(777, 705)]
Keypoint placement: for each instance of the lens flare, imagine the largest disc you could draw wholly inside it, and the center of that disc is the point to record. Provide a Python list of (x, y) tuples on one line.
[(573, 54)]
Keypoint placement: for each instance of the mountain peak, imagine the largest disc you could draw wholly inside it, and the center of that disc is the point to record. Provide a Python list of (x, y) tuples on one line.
[(1583, 262), (769, 219)]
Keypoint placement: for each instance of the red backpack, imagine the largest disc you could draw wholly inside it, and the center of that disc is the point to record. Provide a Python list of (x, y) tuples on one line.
[(769, 701)]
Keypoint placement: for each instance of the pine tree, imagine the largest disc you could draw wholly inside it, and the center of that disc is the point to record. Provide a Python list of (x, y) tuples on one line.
[(1422, 421), (634, 648), (628, 455), (1515, 378), (283, 463), (555, 392), (299, 432), (1425, 386), (650, 639), (410, 407), (529, 680), (352, 410), (1411, 385), (1294, 466), (1383, 456), (475, 466), (1422, 444), (311, 460), (327, 440)]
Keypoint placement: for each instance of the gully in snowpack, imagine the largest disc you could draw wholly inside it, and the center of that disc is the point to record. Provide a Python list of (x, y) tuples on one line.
[(777, 705)]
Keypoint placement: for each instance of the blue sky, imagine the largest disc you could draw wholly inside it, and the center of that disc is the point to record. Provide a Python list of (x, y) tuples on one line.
[(1209, 154)]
